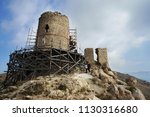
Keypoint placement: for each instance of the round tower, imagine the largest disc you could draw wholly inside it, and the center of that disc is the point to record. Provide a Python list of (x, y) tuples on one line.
[(53, 31)]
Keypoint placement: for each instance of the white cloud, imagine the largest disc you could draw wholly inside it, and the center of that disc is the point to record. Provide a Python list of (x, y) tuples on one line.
[(100, 23), (25, 14), (107, 24)]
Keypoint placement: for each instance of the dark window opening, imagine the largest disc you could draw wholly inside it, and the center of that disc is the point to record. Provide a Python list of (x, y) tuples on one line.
[(46, 28)]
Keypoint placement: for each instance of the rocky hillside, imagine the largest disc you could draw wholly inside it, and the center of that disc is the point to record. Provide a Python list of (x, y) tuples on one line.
[(144, 86), (142, 75), (100, 83)]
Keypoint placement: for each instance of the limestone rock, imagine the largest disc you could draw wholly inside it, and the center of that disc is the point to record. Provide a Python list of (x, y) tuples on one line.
[(113, 90), (124, 94), (131, 81), (76, 86), (106, 78), (121, 82), (110, 73), (138, 95)]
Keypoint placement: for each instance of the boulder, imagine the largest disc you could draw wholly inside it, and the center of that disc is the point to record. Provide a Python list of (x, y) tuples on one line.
[(113, 90), (95, 70), (138, 95), (121, 82), (131, 81), (124, 94), (105, 77)]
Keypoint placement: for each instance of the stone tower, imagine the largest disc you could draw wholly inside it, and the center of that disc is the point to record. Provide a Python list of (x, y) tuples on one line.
[(102, 56), (89, 55), (53, 31)]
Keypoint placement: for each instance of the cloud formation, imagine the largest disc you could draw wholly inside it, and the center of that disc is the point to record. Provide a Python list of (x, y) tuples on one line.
[(25, 14), (119, 25)]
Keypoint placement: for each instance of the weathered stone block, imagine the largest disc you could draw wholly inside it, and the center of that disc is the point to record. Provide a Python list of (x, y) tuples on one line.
[(89, 55), (102, 56)]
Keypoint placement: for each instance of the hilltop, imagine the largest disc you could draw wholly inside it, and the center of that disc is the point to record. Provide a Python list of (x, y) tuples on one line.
[(81, 86)]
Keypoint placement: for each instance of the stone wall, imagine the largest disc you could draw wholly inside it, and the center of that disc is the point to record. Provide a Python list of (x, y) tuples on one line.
[(57, 33), (102, 56), (89, 55)]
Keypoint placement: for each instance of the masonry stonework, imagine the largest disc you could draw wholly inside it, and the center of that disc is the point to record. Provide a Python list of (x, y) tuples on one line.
[(102, 56), (53, 31), (89, 55)]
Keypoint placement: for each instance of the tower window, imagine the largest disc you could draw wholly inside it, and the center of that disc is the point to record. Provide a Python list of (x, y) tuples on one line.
[(46, 28)]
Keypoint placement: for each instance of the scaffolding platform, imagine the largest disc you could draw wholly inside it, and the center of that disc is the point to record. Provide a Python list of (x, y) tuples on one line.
[(29, 63)]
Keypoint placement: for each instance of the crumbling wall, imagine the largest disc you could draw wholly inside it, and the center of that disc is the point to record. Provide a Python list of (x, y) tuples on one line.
[(89, 55), (53, 31), (102, 56)]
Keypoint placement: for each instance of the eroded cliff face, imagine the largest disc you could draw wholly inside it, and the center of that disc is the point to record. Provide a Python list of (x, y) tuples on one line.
[(101, 83)]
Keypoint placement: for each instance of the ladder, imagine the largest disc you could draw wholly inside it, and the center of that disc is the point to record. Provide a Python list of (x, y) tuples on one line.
[(73, 40), (31, 39)]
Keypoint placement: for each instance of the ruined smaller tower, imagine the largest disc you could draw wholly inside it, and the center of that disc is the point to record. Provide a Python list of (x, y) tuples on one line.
[(102, 56), (89, 55)]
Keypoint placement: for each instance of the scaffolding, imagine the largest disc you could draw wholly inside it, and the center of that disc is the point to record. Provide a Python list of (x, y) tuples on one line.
[(31, 39), (31, 62), (73, 40), (26, 64)]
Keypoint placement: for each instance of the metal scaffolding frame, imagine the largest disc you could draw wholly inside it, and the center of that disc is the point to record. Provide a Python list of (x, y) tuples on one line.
[(29, 63)]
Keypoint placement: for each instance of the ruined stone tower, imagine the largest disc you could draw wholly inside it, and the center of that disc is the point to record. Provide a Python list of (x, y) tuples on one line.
[(101, 53), (89, 55), (54, 52), (53, 31), (102, 56)]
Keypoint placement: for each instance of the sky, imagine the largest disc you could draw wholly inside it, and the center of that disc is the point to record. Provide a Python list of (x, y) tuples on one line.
[(121, 26)]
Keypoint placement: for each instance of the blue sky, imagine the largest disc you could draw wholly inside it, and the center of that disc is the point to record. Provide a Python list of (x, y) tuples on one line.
[(122, 26)]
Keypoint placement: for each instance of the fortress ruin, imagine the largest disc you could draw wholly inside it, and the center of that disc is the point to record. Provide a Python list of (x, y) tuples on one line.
[(53, 51)]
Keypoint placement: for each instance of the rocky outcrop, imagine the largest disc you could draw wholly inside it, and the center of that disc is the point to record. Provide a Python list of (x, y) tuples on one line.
[(78, 86), (115, 88), (101, 83), (67, 87)]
